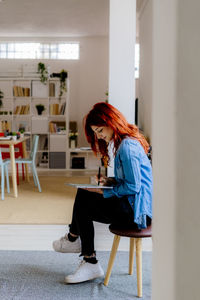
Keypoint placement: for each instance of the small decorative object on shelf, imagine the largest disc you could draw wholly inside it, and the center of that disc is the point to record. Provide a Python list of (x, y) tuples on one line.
[(73, 139), (43, 71), (1, 98), (40, 108)]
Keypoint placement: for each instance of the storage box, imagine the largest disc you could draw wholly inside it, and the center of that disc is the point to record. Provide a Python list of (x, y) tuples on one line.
[(78, 163), (58, 143), (57, 160), (40, 125)]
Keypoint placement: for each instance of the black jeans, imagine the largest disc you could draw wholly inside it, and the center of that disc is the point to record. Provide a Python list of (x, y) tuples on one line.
[(89, 207)]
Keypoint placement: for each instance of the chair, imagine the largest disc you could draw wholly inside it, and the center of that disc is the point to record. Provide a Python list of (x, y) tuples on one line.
[(31, 161), (135, 236), (18, 153), (4, 170)]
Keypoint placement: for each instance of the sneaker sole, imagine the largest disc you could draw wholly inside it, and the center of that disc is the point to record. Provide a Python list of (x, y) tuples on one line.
[(64, 251), (79, 281)]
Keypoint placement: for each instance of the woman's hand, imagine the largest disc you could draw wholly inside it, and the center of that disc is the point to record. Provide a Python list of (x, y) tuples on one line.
[(107, 181), (102, 179), (99, 191)]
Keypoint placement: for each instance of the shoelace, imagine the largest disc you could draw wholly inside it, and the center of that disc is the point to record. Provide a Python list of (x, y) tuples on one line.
[(81, 263), (64, 237)]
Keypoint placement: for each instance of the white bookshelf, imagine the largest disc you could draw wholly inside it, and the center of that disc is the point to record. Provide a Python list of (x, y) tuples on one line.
[(53, 147)]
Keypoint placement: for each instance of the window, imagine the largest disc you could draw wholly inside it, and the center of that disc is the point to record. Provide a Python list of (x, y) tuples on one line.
[(39, 51), (137, 60)]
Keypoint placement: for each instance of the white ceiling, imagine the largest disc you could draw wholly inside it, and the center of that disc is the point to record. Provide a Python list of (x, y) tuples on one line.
[(54, 18)]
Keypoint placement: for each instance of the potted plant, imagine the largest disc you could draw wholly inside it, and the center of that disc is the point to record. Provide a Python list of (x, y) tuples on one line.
[(1, 98), (42, 70), (14, 135), (40, 108), (73, 139), (62, 76), (21, 132)]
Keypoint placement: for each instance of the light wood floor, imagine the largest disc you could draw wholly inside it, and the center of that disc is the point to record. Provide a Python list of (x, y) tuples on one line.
[(40, 237)]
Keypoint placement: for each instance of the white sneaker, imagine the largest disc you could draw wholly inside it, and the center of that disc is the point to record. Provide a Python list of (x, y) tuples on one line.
[(86, 271), (65, 246)]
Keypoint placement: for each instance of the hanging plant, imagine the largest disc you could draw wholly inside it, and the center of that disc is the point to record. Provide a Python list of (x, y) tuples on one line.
[(62, 76), (42, 70), (1, 98), (63, 87)]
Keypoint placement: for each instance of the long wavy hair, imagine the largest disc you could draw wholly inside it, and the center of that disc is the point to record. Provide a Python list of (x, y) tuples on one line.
[(104, 114)]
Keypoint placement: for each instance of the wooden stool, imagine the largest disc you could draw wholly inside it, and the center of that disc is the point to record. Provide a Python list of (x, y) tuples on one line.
[(135, 236)]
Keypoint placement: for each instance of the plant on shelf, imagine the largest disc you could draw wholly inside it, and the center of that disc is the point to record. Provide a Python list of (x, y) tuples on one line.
[(63, 87), (1, 98), (62, 76), (40, 108), (73, 139), (14, 135), (42, 70)]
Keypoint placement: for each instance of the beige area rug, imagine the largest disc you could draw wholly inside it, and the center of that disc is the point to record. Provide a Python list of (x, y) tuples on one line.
[(52, 206)]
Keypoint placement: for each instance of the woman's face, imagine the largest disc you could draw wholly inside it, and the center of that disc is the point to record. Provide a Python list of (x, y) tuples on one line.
[(103, 132)]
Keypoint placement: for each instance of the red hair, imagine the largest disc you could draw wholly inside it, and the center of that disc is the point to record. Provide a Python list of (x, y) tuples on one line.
[(104, 114)]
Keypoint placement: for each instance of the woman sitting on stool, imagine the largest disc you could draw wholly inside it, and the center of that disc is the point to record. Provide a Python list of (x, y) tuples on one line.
[(128, 202)]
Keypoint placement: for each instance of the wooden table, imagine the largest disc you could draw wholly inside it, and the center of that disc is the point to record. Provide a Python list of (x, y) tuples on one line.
[(11, 144)]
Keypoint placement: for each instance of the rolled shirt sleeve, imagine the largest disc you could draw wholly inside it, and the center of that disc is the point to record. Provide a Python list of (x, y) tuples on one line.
[(128, 161)]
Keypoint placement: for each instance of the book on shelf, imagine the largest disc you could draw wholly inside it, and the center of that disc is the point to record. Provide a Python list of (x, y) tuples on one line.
[(15, 91), (17, 110), (56, 126), (22, 109), (19, 91), (54, 109), (26, 92), (51, 89), (62, 109)]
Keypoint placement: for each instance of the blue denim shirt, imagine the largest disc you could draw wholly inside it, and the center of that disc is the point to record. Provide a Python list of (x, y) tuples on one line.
[(133, 173)]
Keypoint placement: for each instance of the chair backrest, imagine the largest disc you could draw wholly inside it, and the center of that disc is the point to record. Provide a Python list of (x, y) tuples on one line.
[(34, 147)]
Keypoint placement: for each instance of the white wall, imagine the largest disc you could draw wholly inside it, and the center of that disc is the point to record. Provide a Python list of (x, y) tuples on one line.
[(145, 79), (88, 76), (176, 144)]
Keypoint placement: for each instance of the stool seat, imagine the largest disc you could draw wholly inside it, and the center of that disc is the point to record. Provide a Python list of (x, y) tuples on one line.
[(131, 231)]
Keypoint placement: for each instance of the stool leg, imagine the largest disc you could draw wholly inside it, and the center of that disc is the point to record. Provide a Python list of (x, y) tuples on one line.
[(112, 258), (131, 255), (139, 265)]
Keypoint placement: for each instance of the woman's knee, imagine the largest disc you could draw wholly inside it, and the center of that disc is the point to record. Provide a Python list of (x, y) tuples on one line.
[(81, 198)]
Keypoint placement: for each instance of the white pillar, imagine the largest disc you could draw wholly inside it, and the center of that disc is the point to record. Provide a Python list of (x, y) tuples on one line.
[(176, 144), (122, 37), (164, 148), (121, 56)]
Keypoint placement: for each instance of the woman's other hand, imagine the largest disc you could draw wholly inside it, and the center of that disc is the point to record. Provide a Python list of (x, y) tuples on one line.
[(99, 191)]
